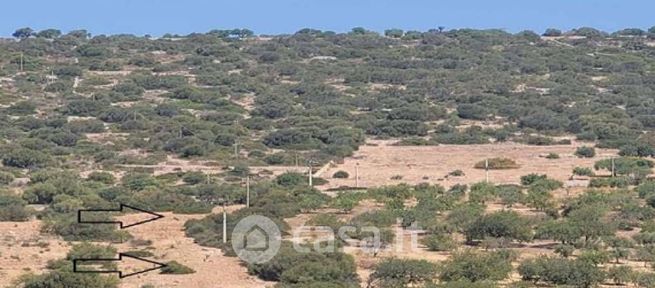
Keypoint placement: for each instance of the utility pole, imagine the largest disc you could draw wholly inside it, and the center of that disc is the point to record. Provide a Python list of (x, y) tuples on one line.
[(613, 169), (21, 61), (224, 224), (247, 191), (310, 175), (486, 170), (236, 150)]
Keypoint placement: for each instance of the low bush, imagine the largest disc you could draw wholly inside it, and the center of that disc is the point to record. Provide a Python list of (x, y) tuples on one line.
[(585, 152), (497, 164), (341, 174), (174, 267), (583, 171)]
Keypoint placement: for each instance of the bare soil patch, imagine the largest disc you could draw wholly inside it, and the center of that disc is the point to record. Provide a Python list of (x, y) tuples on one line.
[(23, 249), (379, 161), (169, 243)]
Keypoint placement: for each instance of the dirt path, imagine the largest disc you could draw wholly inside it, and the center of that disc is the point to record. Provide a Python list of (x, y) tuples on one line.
[(169, 243)]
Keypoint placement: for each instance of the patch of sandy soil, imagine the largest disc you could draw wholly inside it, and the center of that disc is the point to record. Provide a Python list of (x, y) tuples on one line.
[(24, 250), (164, 57), (464, 124), (379, 161), (155, 96), (111, 73), (246, 101), (106, 137), (381, 87), (169, 243), (173, 164), (277, 170)]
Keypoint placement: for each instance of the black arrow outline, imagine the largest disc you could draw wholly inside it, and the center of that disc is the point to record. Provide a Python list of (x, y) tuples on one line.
[(120, 258), (120, 209)]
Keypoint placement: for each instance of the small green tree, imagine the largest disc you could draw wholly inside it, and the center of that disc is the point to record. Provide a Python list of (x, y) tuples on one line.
[(439, 242), (394, 33), (482, 192), (23, 33), (49, 33), (619, 247), (552, 32), (402, 273), (620, 274), (501, 224), (477, 266)]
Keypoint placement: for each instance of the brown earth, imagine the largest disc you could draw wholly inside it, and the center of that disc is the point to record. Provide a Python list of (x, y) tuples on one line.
[(170, 244), (24, 250), (379, 161)]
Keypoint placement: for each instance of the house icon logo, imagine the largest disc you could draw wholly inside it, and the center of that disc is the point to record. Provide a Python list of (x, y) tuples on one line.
[(256, 239)]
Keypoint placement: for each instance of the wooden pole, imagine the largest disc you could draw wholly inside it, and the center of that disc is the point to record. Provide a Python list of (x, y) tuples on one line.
[(224, 224), (21, 61), (248, 191), (613, 171), (310, 176), (486, 170)]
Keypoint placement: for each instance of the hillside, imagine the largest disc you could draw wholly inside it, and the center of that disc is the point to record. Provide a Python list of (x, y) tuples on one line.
[(397, 129)]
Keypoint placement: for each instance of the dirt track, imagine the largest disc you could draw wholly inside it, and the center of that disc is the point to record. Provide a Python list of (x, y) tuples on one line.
[(169, 243)]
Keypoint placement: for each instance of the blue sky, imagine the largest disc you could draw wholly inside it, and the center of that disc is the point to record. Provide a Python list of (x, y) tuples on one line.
[(287, 16)]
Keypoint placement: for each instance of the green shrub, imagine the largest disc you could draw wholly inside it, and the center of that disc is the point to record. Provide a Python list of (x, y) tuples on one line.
[(6, 178), (614, 182), (646, 189), (22, 108), (560, 271), (275, 159), (403, 273), (289, 179), (583, 171), (503, 224), (552, 156), (497, 164), (25, 158), (12, 207), (477, 266), (531, 178), (456, 173), (194, 177), (439, 242), (174, 267), (291, 267), (585, 152), (102, 177), (341, 175)]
